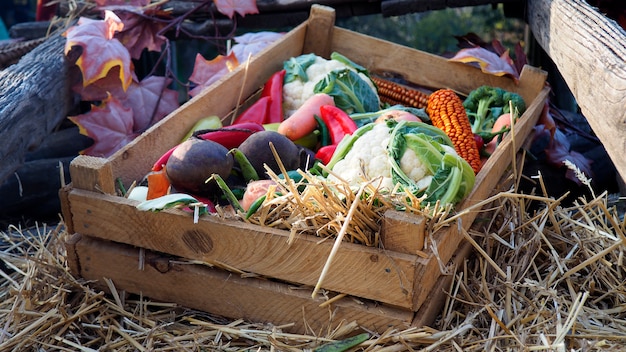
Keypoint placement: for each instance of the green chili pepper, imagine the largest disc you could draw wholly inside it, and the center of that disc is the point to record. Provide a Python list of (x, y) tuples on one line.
[(343, 345), (255, 206), (324, 132), (247, 170), (232, 199)]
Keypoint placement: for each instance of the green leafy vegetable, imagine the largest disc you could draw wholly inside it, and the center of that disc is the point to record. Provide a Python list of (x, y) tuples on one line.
[(296, 67), (453, 178), (337, 56), (171, 201), (350, 92)]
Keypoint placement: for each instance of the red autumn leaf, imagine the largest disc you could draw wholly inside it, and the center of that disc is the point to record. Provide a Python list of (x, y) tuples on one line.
[(122, 2), (101, 51), (110, 125), (139, 33), (488, 61), (103, 87), (142, 97), (205, 72), (242, 7), (150, 101)]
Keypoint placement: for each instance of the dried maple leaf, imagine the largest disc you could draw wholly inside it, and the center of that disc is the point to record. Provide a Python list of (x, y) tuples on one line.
[(242, 7), (122, 2), (101, 51), (103, 87), (139, 33), (150, 101), (205, 72), (109, 124), (488, 61), (250, 44), (142, 97)]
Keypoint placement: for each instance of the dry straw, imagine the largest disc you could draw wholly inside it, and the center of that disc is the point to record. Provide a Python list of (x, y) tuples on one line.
[(547, 277)]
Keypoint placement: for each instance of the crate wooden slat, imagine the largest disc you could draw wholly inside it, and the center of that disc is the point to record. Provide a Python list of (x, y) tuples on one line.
[(396, 277), (386, 275), (224, 293)]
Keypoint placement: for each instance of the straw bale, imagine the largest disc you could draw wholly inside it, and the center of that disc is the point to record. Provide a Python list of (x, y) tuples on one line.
[(549, 279)]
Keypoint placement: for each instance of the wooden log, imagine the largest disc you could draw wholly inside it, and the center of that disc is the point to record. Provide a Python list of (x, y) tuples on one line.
[(589, 50), (32, 190), (64, 142), (34, 98)]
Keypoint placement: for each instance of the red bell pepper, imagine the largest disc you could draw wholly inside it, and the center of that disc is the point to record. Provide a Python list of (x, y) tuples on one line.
[(273, 89), (256, 112), (338, 122), (325, 153)]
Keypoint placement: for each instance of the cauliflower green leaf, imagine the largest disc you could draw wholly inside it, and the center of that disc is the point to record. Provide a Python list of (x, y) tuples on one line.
[(351, 93)]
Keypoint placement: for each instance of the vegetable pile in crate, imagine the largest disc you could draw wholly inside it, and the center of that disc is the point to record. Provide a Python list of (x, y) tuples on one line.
[(349, 159)]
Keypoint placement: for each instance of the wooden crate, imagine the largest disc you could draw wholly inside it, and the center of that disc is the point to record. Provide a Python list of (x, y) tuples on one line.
[(395, 286)]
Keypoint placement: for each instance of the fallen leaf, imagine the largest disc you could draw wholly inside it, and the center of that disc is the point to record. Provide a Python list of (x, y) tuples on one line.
[(122, 2), (242, 7), (109, 124), (250, 44), (206, 72), (101, 51), (150, 101), (559, 151), (488, 61), (139, 33)]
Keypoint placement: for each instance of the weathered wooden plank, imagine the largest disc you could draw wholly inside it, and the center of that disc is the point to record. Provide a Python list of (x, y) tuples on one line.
[(358, 270), (223, 293), (590, 52), (34, 98)]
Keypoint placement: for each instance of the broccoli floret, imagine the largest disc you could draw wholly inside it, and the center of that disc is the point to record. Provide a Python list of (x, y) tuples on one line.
[(485, 104), (518, 102)]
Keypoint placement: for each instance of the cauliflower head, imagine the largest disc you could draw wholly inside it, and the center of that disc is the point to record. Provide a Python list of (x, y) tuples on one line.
[(296, 92), (406, 156), (369, 159)]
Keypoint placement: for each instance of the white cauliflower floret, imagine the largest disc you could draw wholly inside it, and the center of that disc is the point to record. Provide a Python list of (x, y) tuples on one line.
[(368, 159), (295, 93)]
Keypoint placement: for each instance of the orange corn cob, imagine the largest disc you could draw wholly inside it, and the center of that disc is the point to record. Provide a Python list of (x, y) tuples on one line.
[(393, 93), (446, 112)]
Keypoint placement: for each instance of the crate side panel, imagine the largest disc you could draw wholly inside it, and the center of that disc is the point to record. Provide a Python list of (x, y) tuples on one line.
[(423, 68), (223, 293), (361, 271)]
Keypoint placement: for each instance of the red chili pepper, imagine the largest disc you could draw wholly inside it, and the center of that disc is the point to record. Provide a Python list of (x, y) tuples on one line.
[(339, 123), (325, 153), (273, 89), (232, 136), (158, 165), (256, 112)]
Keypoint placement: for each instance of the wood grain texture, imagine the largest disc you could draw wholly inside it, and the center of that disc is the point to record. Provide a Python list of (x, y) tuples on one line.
[(590, 52), (367, 272), (34, 98), (224, 293)]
